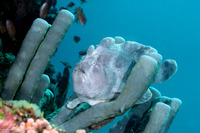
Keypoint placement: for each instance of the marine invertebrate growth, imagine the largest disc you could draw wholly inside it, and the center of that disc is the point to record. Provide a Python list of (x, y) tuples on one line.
[(21, 116), (113, 77), (34, 55)]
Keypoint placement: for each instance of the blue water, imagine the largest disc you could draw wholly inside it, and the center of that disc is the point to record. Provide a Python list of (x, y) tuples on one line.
[(170, 26)]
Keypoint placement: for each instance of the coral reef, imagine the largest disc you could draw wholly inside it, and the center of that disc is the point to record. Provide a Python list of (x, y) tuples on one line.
[(21, 116), (133, 68)]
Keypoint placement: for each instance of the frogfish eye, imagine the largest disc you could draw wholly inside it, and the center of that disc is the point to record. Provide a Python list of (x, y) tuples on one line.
[(93, 63)]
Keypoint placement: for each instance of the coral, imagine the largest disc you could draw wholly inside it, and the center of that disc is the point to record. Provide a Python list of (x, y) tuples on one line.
[(21, 116), (7, 121), (133, 79)]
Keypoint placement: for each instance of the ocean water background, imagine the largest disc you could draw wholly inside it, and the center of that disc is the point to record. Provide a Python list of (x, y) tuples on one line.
[(170, 26)]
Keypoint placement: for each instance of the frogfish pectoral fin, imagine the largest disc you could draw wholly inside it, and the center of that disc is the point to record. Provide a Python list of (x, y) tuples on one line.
[(72, 104)]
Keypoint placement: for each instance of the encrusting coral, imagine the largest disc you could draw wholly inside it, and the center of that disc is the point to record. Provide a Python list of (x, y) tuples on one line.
[(21, 116), (141, 69)]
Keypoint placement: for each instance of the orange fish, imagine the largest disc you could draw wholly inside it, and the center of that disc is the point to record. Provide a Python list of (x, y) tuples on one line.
[(2, 28), (80, 16), (44, 9), (11, 29)]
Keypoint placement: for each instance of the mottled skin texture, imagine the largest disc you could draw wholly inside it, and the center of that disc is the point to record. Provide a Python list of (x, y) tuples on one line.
[(103, 72)]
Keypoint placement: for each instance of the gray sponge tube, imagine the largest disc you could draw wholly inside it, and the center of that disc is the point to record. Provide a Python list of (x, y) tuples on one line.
[(40, 90), (29, 46), (175, 104), (136, 85), (158, 118), (46, 49)]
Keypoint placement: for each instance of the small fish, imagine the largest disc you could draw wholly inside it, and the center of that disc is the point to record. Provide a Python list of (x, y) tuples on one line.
[(83, 1), (58, 76), (44, 9), (71, 4), (11, 29), (77, 39), (82, 53), (66, 64), (2, 28), (63, 8), (80, 16)]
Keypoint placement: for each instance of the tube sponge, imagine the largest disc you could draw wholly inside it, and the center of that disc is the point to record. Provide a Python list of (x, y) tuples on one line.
[(44, 52), (37, 48), (26, 53), (40, 90), (139, 80), (158, 118)]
